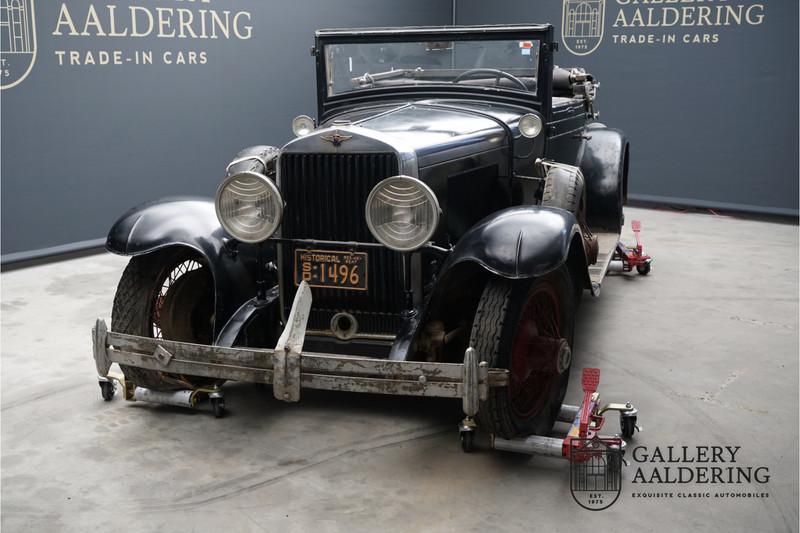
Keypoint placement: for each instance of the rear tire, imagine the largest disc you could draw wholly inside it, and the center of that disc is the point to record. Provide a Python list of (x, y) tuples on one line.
[(168, 294), (519, 326)]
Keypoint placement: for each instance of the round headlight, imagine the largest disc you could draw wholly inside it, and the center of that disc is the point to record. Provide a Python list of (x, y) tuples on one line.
[(530, 125), (402, 213), (249, 206), (302, 125)]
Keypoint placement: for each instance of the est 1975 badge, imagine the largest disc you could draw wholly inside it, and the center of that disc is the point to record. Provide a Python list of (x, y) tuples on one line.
[(595, 472), (17, 41)]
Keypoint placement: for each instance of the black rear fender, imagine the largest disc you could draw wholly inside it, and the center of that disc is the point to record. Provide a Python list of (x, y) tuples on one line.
[(604, 165)]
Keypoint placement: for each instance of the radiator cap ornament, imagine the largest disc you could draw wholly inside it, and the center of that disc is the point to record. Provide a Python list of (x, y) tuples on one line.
[(336, 138)]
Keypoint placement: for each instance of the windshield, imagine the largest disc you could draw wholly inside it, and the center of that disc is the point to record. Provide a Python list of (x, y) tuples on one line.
[(358, 66)]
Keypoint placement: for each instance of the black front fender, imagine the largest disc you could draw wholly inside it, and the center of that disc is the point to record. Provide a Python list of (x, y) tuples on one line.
[(192, 223), (520, 242)]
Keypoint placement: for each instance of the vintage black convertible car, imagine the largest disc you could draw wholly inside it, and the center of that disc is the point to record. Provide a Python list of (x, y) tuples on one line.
[(447, 208)]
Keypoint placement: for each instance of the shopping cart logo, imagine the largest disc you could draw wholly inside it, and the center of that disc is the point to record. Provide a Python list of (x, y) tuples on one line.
[(17, 41), (595, 467), (582, 24)]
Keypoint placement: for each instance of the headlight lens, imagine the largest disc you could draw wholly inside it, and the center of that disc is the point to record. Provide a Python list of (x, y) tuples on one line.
[(302, 125), (530, 125), (402, 213), (249, 206)]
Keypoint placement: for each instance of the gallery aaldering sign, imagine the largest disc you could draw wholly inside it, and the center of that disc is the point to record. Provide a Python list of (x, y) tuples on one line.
[(85, 34), (686, 473), (586, 24), (721, 467)]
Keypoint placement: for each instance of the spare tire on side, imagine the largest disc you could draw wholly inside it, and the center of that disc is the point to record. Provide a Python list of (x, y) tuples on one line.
[(563, 188)]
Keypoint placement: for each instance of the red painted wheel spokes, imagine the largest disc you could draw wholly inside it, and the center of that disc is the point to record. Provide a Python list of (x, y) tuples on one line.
[(534, 353)]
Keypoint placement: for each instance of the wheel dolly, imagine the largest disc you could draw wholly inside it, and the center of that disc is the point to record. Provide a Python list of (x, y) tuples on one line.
[(179, 398), (582, 439), (627, 258)]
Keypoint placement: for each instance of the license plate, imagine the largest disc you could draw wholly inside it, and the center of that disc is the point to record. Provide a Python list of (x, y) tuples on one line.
[(331, 269)]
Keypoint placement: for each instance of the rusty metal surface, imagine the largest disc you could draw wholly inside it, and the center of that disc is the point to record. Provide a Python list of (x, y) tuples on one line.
[(261, 359), (191, 367), (307, 370), (286, 358), (399, 387), (288, 369)]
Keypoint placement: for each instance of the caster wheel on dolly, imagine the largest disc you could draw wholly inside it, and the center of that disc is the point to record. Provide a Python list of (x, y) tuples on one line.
[(467, 441), (107, 390), (218, 407), (627, 425), (643, 269)]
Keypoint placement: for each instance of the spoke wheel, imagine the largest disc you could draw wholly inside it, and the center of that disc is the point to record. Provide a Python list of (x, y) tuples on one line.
[(535, 352), (170, 295)]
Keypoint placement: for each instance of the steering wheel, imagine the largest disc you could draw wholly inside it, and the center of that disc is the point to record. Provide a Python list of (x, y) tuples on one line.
[(497, 73)]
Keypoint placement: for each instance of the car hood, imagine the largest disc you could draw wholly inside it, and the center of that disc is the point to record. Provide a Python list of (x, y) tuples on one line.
[(436, 130)]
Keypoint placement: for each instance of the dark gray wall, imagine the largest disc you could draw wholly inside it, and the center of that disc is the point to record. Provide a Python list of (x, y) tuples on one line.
[(711, 124), (82, 144)]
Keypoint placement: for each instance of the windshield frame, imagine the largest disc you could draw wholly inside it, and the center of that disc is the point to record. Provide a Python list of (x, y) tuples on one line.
[(539, 100)]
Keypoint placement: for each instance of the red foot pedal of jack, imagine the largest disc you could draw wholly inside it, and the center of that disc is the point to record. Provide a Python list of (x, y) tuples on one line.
[(590, 379)]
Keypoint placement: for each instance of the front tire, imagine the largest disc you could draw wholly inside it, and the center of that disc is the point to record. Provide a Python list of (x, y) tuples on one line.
[(167, 294), (525, 327)]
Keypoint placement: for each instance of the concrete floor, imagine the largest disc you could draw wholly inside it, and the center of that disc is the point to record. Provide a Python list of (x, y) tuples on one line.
[(706, 347)]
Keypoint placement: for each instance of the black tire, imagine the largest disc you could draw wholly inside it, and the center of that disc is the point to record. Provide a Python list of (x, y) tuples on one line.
[(467, 441), (627, 426), (494, 333), (107, 390), (188, 302), (643, 269), (218, 407), (563, 189)]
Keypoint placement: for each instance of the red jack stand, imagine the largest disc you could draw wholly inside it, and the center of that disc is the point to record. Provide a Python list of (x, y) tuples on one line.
[(627, 258)]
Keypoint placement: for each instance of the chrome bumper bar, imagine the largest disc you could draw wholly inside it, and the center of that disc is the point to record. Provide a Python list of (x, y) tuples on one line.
[(288, 369)]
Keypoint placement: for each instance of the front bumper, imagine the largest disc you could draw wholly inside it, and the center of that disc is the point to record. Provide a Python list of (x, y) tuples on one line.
[(288, 369)]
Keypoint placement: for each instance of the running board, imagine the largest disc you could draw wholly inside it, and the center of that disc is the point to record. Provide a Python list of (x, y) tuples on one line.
[(607, 245)]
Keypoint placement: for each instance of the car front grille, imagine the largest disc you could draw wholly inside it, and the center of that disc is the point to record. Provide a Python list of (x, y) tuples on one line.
[(325, 198)]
